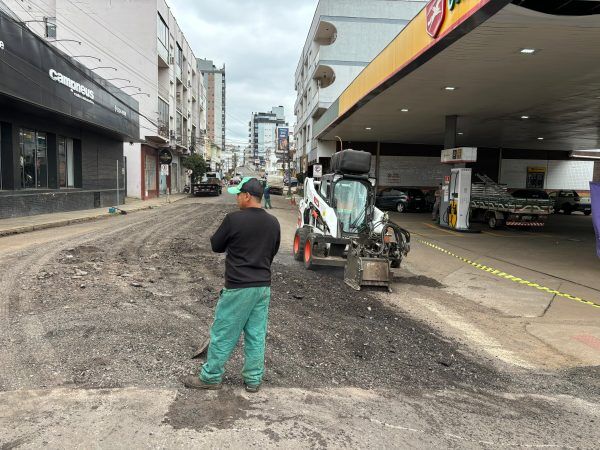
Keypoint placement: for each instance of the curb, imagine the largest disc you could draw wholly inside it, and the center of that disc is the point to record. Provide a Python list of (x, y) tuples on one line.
[(76, 220)]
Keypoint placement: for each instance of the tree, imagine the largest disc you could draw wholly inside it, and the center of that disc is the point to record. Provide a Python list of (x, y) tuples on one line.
[(197, 165)]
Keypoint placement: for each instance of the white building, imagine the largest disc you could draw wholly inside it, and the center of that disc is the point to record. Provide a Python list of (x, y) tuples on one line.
[(344, 37), (138, 46), (263, 137), (215, 83)]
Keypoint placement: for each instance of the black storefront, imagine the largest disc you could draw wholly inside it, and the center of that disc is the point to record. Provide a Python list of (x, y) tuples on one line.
[(62, 129)]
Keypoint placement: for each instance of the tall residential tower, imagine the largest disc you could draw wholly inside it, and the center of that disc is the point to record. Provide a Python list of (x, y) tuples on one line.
[(214, 80)]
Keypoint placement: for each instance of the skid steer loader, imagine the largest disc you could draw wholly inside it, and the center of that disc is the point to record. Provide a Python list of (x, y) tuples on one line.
[(339, 226)]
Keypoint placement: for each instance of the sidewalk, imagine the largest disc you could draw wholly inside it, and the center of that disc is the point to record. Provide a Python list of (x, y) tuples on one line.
[(27, 224)]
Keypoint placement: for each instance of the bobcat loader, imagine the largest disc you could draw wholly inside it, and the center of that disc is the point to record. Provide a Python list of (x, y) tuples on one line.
[(339, 225)]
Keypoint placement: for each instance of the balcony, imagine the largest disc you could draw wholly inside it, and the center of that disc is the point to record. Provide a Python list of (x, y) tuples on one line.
[(324, 76), (161, 135), (326, 33)]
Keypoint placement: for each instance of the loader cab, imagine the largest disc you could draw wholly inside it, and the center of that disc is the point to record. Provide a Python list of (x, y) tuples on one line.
[(351, 201), (350, 198)]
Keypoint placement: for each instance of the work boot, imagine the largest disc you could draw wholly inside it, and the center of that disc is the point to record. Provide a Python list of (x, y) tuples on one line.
[(253, 388), (193, 382)]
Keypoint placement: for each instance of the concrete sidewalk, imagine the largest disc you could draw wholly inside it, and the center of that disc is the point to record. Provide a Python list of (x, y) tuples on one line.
[(27, 224)]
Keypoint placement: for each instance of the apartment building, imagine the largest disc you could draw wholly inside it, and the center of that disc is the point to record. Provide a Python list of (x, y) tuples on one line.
[(263, 137), (139, 47), (215, 83), (344, 37)]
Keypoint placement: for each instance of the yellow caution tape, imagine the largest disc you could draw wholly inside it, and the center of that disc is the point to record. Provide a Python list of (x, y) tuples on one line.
[(507, 276)]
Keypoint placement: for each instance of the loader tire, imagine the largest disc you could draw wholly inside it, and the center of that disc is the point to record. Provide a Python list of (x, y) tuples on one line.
[(299, 243), (308, 254)]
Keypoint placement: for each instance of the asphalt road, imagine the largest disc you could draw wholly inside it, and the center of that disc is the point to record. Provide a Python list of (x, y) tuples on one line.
[(98, 322)]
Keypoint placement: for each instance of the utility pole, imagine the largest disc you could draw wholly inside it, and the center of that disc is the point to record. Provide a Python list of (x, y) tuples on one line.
[(288, 171)]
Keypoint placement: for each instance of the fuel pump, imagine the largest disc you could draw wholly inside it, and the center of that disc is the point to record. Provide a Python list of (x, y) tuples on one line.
[(459, 199), (456, 189), (456, 199)]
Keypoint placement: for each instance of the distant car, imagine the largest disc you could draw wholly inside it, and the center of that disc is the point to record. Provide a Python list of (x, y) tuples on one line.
[(568, 201), (530, 194), (294, 181), (401, 199)]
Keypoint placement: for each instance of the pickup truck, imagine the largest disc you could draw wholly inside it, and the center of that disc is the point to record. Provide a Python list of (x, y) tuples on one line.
[(491, 203), (212, 186), (569, 201)]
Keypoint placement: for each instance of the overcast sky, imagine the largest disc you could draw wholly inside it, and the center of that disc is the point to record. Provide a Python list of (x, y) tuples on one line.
[(260, 43)]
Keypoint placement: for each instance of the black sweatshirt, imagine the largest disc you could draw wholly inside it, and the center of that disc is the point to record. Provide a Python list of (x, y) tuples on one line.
[(251, 238)]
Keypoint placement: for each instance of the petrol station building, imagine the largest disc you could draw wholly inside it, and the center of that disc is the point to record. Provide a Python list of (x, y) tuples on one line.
[(519, 80)]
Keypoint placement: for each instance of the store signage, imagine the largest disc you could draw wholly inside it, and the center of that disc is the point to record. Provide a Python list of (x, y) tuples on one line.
[(459, 155), (78, 89), (1, 45), (435, 12), (120, 111), (165, 156)]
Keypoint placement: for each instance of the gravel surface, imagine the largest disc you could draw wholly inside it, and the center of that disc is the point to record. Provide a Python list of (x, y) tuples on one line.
[(127, 307)]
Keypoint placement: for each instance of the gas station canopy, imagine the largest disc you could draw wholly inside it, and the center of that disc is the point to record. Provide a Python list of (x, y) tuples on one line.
[(515, 77)]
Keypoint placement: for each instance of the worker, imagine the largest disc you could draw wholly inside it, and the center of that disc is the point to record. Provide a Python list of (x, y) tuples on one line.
[(251, 239), (435, 214), (267, 196)]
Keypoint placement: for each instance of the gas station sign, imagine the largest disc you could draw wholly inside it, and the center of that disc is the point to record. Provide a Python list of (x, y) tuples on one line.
[(435, 13), (459, 155)]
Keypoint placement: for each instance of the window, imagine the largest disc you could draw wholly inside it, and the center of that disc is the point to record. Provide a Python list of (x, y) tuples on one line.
[(50, 24), (162, 31), (163, 117), (33, 159), (350, 202), (179, 56), (179, 127)]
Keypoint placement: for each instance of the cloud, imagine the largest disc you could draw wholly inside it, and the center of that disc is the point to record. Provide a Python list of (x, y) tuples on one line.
[(259, 42)]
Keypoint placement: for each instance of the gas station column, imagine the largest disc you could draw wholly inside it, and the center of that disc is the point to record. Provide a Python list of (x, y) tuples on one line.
[(451, 130)]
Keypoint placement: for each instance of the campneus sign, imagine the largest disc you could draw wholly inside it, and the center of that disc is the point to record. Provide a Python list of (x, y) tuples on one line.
[(78, 89), (41, 76)]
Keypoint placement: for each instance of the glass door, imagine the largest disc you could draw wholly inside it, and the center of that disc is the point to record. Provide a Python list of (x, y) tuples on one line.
[(66, 174), (33, 159)]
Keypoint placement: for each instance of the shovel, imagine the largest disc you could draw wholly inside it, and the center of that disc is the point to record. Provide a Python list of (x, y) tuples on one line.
[(202, 349)]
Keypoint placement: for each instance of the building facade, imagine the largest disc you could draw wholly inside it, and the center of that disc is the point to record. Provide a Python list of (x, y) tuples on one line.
[(263, 137), (62, 128), (139, 47), (215, 83), (343, 39)]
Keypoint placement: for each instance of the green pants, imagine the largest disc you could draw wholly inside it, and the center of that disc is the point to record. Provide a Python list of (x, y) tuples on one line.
[(238, 310), (268, 203)]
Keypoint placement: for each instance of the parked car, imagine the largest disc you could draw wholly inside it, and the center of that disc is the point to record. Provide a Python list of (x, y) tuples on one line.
[(569, 201), (401, 199)]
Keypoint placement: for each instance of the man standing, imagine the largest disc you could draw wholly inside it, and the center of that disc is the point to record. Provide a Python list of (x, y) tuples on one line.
[(435, 214), (251, 239), (267, 196)]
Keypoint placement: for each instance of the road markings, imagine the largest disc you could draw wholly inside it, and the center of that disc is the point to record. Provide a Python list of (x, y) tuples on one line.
[(588, 340), (453, 233), (510, 277), (487, 343)]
